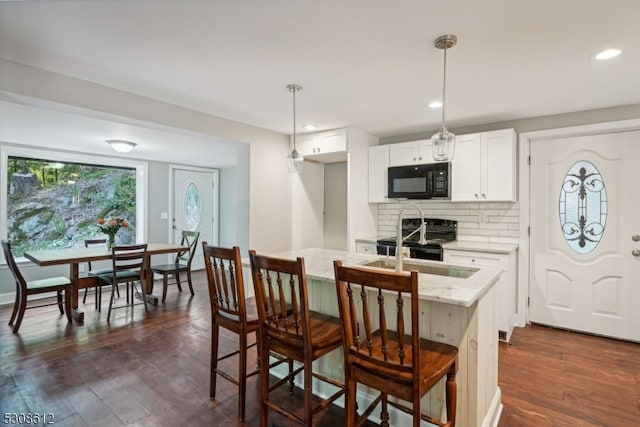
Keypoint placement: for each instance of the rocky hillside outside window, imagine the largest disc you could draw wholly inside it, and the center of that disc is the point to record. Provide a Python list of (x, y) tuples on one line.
[(52, 204)]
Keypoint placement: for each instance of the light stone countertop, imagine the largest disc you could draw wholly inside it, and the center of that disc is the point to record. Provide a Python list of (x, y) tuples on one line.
[(431, 287), (499, 248)]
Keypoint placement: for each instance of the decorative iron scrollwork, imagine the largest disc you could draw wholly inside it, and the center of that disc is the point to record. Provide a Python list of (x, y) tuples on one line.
[(583, 207)]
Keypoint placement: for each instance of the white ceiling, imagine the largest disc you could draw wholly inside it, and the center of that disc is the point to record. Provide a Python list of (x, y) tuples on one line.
[(369, 64)]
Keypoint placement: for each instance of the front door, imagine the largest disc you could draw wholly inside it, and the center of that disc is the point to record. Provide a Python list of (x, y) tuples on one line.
[(585, 234), (195, 207)]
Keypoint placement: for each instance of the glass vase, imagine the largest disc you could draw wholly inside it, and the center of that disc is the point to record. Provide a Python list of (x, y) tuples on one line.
[(111, 242)]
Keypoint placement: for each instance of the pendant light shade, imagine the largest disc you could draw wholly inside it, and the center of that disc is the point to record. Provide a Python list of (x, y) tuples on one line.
[(443, 143), (294, 159)]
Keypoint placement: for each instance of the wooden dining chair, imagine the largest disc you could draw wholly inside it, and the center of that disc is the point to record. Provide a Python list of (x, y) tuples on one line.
[(232, 311), (181, 264), (35, 287), (383, 349), (89, 243), (128, 266), (290, 329)]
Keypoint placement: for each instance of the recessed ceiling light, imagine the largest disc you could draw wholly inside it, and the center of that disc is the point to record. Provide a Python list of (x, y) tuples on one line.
[(435, 104), (309, 127), (607, 54)]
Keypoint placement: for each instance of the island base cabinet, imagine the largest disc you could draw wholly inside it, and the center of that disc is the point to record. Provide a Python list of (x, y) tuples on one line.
[(505, 286), (470, 329)]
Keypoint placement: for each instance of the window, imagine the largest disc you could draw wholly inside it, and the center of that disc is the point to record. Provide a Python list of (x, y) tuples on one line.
[(53, 200), (192, 208)]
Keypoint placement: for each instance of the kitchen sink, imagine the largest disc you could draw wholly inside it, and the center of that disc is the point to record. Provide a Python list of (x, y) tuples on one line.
[(440, 270)]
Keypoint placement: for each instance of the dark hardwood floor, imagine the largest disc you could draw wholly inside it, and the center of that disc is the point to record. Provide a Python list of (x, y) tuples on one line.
[(551, 377), (153, 370)]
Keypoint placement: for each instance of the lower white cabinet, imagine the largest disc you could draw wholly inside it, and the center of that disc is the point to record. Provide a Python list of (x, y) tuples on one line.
[(366, 247), (506, 284)]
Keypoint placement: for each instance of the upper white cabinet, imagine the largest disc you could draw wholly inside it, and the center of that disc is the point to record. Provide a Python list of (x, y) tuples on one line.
[(378, 164), (408, 153), (324, 147), (484, 167)]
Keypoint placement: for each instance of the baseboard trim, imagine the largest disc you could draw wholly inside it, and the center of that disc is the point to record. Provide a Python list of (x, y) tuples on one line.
[(495, 410)]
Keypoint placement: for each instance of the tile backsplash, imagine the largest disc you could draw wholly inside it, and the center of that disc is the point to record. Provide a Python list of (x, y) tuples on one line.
[(492, 222)]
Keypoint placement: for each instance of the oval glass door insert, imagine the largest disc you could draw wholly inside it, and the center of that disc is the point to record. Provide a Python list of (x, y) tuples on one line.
[(192, 210), (583, 207)]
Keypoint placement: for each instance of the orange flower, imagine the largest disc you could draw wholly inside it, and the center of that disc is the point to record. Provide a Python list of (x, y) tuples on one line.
[(110, 226)]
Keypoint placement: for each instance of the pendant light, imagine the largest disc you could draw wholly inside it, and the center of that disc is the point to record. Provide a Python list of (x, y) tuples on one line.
[(294, 159), (443, 142)]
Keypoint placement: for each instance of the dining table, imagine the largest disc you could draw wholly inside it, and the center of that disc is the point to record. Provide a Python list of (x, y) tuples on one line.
[(76, 256)]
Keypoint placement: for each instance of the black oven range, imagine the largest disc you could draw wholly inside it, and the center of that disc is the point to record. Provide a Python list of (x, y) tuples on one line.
[(438, 232)]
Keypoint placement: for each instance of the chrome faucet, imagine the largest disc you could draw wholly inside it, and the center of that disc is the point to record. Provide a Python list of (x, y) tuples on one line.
[(399, 239)]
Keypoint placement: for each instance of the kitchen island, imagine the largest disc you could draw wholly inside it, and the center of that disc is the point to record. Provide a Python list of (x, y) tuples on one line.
[(455, 310)]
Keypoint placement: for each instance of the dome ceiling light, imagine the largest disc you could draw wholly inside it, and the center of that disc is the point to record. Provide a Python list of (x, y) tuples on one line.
[(121, 146)]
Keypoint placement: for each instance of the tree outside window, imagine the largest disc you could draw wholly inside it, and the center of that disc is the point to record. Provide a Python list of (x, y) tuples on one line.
[(56, 205)]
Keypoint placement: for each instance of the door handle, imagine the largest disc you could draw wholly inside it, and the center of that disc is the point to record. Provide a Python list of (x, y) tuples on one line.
[(636, 237), (635, 252)]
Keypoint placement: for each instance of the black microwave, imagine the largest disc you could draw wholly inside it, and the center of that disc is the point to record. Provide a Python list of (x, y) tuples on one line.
[(425, 181)]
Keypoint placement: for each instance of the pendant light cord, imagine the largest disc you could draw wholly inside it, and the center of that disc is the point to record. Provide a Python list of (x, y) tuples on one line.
[(293, 89), (444, 85)]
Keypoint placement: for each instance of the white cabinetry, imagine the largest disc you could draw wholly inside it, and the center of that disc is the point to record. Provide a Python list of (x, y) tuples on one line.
[(330, 206), (366, 248), (324, 147), (408, 153), (506, 284), (378, 182), (484, 167)]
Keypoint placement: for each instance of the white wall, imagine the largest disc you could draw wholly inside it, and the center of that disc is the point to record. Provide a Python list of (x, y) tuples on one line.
[(261, 178), (362, 216), (335, 206), (269, 229), (307, 221)]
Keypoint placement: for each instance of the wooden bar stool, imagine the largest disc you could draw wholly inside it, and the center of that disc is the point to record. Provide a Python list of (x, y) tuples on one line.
[(386, 355), (232, 311), (290, 329)]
